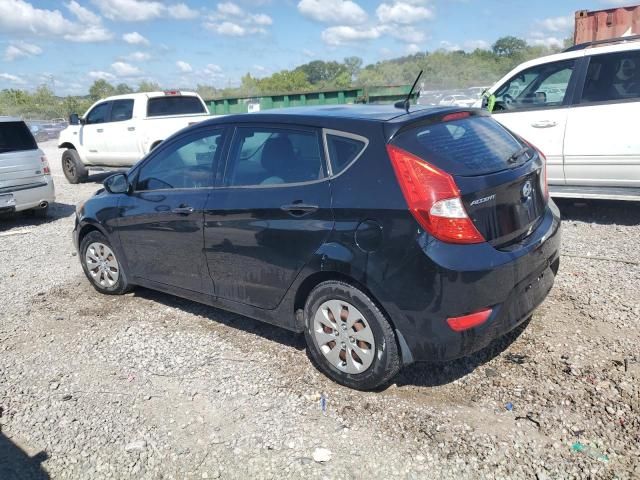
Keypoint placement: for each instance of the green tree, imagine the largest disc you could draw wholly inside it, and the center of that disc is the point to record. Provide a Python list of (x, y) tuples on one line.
[(101, 89), (123, 89), (509, 46), (147, 86), (353, 66)]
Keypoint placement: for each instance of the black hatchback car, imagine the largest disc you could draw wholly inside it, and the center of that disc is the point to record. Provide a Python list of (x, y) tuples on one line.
[(386, 237)]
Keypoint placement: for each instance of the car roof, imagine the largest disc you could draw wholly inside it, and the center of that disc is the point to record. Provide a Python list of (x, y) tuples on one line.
[(10, 119), (128, 96), (316, 114)]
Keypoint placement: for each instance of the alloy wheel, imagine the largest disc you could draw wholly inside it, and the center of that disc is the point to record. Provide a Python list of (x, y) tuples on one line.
[(102, 264)]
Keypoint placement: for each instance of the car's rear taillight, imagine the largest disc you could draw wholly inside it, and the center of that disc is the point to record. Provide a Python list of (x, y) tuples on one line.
[(466, 322), (45, 165), (433, 198)]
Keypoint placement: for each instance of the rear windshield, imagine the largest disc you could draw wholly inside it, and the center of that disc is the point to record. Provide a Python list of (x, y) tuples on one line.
[(470, 146), (178, 105), (15, 136)]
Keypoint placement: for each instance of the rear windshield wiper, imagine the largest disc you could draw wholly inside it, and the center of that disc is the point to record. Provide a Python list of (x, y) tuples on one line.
[(517, 154)]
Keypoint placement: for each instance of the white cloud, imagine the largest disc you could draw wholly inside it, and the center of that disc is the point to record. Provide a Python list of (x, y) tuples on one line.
[(449, 46), (212, 69), (83, 14), (341, 12), (184, 67), (229, 29), (229, 8), (413, 48), (90, 34), (402, 13), (342, 34), (20, 49), (134, 38), (261, 19), (138, 56), (11, 78), (18, 16), (143, 10), (181, 11), (558, 24), (99, 75), (125, 69), (543, 41), (406, 33)]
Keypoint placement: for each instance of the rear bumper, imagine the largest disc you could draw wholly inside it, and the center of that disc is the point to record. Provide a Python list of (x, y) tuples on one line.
[(462, 279), (32, 195)]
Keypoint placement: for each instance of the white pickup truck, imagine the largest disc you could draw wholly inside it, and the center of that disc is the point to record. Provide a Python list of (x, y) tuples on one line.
[(118, 131)]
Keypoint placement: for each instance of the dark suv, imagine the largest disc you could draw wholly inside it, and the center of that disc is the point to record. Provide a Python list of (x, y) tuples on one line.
[(387, 237)]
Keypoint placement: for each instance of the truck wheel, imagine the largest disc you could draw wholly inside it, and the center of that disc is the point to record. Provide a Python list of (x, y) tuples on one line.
[(73, 167)]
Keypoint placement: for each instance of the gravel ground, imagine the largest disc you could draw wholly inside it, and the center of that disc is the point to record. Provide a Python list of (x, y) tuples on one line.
[(152, 386)]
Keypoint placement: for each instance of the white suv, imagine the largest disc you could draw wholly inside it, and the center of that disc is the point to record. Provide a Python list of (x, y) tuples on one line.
[(25, 178), (582, 109)]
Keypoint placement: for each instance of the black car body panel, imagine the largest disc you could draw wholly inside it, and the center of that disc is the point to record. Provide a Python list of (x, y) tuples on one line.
[(248, 250)]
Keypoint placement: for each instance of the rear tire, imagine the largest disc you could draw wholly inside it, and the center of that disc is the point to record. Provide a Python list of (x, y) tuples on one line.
[(348, 338), (101, 266), (73, 168)]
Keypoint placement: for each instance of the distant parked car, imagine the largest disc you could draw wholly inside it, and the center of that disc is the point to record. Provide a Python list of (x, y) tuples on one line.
[(476, 92), (581, 108), (386, 237), (457, 100), (39, 133), (118, 131), (25, 177)]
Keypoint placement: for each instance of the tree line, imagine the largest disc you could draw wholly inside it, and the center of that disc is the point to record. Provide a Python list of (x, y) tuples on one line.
[(443, 69)]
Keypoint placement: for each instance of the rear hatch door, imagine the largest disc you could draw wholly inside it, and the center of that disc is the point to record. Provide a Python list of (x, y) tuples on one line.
[(500, 177), (20, 159)]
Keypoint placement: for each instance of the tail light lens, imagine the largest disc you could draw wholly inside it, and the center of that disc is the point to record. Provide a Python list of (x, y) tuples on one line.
[(45, 165), (433, 198), (466, 322)]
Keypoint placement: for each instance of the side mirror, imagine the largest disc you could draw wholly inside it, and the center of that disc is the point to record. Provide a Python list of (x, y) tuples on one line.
[(74, 119), (117, 183)]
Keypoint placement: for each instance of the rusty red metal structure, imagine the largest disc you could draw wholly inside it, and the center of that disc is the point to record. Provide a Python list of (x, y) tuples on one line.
[(592, 26)]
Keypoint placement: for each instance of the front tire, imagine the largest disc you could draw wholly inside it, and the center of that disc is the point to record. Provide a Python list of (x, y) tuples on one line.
[(73, 168), (348, 338), (101, 265)]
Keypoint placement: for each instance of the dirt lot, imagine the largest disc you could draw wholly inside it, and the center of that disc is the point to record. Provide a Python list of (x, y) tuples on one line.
[(152, 386)]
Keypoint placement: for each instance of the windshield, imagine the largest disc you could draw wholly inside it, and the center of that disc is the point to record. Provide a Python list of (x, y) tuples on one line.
[(15, 136)]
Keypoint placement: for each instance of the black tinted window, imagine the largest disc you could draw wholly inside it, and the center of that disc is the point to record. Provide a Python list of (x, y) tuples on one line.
[(611, 77), (99, 114), (178, 105), (274, 156), (187, 163), (15, 136), (343, 151), (121, 110), (470, 146)]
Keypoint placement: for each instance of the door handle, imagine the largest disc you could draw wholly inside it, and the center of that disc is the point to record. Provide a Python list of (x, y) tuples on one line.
[(544, 124), (131, 129), (183, 210), (100, 130), (299, 209)]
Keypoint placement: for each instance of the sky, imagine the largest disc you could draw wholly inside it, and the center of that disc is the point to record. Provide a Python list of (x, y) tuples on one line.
[(69, 44)]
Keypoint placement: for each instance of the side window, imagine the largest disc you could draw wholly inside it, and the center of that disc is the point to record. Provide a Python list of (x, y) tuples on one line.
[(121, 110), (186, 163), (99, 113), (343, 150), (272, 156), (542, 86), (612, 77)]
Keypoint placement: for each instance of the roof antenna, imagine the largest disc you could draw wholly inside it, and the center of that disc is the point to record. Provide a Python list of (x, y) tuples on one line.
[(404, 104)]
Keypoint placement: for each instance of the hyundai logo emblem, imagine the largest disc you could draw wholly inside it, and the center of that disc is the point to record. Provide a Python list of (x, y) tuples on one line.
[(526, 190)]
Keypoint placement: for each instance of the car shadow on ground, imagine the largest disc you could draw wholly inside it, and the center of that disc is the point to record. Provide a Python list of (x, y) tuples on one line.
[(240, 322), (602, 212), (57, 210), (100, 176), (424, 374), (16, 464), (418, 374)]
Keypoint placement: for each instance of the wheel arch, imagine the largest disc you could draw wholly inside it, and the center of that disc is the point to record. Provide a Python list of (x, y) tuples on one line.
[(68, 146)]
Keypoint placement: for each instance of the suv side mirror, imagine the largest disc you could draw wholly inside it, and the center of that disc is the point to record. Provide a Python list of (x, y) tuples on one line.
[(117, 183), (74, 119)]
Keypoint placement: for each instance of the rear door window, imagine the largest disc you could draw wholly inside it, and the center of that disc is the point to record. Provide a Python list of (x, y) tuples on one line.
[(121, 110), (15, 136), (274, 156), (612, 77), (174, 105), (470, 146)]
